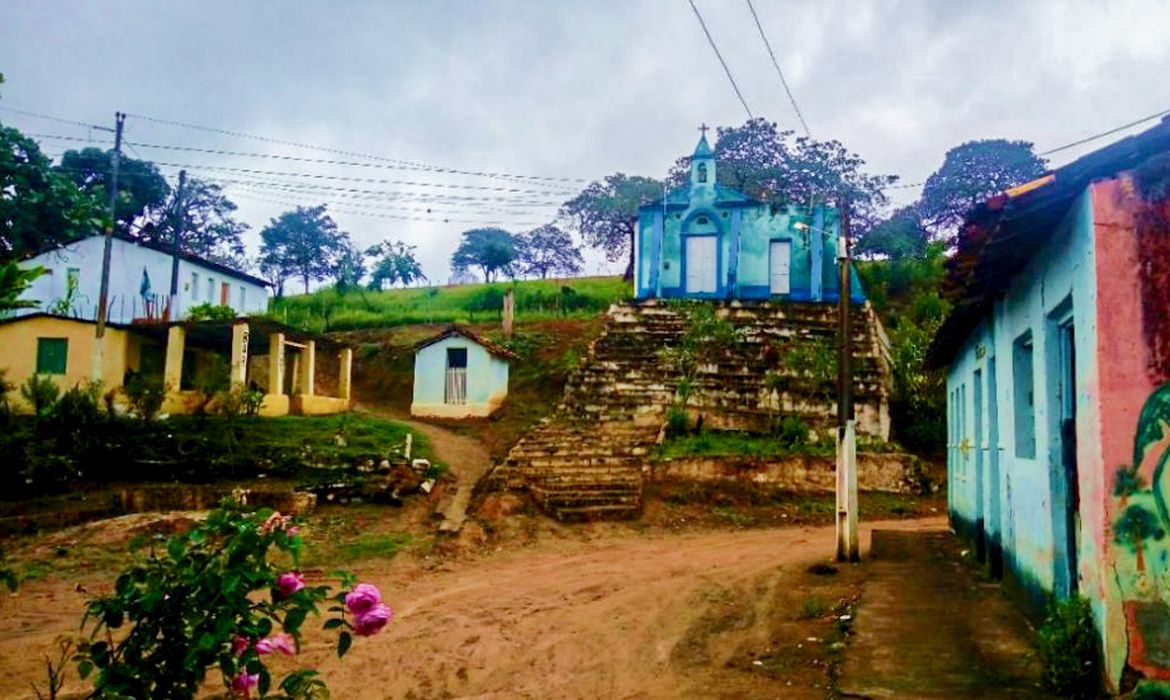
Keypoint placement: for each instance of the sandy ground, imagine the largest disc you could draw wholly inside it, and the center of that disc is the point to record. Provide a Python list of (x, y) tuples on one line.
[(619, 615)]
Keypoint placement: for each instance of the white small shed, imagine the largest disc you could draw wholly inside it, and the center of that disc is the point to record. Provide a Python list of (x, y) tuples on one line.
[(458, 374)]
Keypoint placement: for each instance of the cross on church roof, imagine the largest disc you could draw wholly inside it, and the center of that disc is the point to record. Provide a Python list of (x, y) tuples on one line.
[(704, 129)]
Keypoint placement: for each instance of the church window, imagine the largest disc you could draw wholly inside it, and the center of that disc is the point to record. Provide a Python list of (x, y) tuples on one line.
[(702, 172)]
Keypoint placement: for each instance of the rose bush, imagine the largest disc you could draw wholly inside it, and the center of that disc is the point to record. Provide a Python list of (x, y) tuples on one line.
[(212, 598)]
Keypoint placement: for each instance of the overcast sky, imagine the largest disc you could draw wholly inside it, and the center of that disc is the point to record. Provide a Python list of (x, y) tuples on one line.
[(561, 89)]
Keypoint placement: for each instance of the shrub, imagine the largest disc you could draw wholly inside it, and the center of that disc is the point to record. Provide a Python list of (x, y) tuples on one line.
[(1067, 649), (211, 312), (488, 298), (6, 388), (76, 421), (792, 431), (41, 392), (240, 400), (212, 598), (146, 395), (677, 423)]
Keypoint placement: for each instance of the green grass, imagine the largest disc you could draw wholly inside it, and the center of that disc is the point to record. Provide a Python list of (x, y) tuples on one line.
[(725, 443), (364, 435), (328, 310)]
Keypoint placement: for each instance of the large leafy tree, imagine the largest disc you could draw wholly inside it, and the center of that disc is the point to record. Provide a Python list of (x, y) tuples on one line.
[(970, 173), (142, 190), (304, 243), (901, 236), (349, 265), (39, 208), (780, 167), (606, 214), (394, 262), (207, 216), (492, 250), (549, 250)]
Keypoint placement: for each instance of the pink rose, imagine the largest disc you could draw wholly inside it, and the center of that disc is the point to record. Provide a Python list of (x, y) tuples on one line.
[(373, 620), (289, 583), (362, 598), (244, 682), (240, 644), (292, 531), (283, 643)]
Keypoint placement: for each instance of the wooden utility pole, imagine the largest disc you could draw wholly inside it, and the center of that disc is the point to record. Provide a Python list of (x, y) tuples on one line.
[(847, 540), (180, 223), (103, 296)]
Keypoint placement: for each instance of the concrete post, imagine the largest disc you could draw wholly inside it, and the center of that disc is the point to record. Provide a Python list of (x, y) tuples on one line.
[(173, 370), (306, 367), (509, 313), (276, 363), (239, 371), (847, 540), (344, 373)]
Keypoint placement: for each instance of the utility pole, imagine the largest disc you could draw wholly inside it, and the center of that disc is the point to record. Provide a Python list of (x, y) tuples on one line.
[(847, 547), (180, 224), (103, 297)]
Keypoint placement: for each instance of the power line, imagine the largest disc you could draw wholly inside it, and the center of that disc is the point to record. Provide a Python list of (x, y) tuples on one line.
[(357, 154), (718, 55), (1103, 134), (779, 72), (400, 217), (272, 156), (38, 115)]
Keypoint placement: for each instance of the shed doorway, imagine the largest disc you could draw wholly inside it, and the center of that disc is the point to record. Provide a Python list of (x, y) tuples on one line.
[(1062, 459), (455, 392)]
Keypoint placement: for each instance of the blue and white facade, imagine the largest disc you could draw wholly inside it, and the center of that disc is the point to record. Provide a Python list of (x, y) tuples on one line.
[(140, 282), (707, 241)]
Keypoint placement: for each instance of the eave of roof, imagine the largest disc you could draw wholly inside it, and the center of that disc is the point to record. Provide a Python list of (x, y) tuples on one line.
[(1004, 233), (454, 329)]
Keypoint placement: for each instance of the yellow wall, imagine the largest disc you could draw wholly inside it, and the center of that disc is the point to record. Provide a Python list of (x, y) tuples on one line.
[(18, 353)]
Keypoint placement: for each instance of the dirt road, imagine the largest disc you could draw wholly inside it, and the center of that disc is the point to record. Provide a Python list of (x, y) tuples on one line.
[(623, 615)]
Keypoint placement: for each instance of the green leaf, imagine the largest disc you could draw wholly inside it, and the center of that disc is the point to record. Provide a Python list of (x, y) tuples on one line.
[(84, 668), (344, 640), (333, 624), (294, 619)]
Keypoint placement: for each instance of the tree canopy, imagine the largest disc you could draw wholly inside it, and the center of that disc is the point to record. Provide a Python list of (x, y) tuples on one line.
[(39, 207), (210, 229), (143, 192), (970, 173), (394, 262), (304, 243), (492, 250), (606, 214), (780, 167), (549, 250), (902, 235)]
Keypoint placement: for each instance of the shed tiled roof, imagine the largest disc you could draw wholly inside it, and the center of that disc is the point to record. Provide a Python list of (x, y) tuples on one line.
[(454, 329)]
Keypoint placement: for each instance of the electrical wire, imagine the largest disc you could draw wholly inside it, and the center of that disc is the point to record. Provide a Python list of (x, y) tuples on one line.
[(718, 55), (776, 64)]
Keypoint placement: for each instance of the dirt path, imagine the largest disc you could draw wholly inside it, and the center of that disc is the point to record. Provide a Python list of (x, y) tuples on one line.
[(467, 458), (615, 616)]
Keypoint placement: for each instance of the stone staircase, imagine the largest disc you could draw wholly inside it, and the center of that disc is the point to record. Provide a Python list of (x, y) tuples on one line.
[(589, 458)]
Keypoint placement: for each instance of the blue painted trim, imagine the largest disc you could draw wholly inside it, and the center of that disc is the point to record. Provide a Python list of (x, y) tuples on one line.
[(733, 246), (817, 254), (656, 256), (713, 216)]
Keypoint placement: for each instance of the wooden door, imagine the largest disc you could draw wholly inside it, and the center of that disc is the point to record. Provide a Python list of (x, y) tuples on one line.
[(701, 267), (780, 267)]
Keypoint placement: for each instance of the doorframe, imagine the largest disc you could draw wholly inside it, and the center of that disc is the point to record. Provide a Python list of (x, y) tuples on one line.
[(791, 252), (1063, 478), (980, 519), (995, 506), (684, 234)]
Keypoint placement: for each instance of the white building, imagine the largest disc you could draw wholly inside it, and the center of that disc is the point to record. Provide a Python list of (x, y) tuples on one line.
[(140, 282)]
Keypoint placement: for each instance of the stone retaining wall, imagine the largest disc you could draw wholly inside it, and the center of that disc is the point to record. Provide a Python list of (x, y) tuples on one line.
[(891, 472)]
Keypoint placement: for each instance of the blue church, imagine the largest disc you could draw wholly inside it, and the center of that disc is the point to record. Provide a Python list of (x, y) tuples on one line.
[(707, 241)]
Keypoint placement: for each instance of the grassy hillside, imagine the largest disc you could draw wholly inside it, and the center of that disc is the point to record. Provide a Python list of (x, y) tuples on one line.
[(536, 300)]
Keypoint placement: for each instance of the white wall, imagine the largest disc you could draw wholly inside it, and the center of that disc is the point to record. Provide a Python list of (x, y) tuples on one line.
[(127, 262)]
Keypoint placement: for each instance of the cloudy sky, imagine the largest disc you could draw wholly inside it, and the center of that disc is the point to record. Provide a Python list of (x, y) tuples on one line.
[(565, 91)]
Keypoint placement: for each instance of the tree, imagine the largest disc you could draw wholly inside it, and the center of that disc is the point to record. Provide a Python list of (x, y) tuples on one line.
[(971, 173), (210, 229), (898, 237), (39, 207), (142, 190), (13, 281), (492, 250), (780, 167), (394, 262), (350, 265), (606, 214), (548, 249), (304, 243)]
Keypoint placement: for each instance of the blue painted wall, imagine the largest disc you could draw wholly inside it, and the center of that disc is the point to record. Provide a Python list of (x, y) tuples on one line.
[(487, 379), (744, 229)]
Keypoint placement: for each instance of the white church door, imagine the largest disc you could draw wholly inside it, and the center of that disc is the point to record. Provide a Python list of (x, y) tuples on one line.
[(701, 267), (780, 266)]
